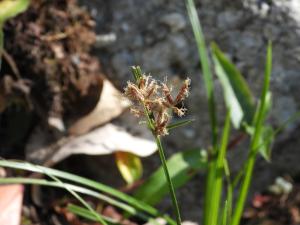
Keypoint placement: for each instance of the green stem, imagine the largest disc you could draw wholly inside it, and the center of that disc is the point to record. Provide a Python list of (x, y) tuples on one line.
[(137, 72), (219, 171), (244, 191), (209, 184), (169, 181), (258, 122), (229, 197), (248, 169)]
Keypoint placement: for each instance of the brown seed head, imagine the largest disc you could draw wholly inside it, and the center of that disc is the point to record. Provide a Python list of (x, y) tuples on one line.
[(133, 92), (184, 91), (156, 98)]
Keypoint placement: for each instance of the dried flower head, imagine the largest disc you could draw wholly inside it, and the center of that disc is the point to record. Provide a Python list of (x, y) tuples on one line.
[(156, 99)]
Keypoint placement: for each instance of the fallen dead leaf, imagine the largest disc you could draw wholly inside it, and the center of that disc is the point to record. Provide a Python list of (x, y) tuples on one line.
[(104, 140), (110, 105)]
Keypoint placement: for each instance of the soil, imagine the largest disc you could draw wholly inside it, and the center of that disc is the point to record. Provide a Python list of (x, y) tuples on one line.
[(272, 209), (48, 72)]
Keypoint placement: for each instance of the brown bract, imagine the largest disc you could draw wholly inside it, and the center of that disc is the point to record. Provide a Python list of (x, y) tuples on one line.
[(157, 98)]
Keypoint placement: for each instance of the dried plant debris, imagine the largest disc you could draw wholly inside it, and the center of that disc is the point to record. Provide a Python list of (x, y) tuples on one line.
[(50, 44), (157, 98), (274, 208), (110, 105), (47, 68), (104, 140)]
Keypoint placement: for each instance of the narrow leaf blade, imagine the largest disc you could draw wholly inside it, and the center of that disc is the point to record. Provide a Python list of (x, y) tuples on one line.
[(266, 141), (209, 86), (179, 124), (83, 181), (82, 212), (255, 141), (86, 214)]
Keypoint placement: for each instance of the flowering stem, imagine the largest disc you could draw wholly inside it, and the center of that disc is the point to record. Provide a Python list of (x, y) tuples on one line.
[(136, 70), (169, 181)]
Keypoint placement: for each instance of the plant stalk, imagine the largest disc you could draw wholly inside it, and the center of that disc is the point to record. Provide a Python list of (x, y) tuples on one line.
[(169, 181), (208, 81), (254, 148), (218, 172), (136, 70)]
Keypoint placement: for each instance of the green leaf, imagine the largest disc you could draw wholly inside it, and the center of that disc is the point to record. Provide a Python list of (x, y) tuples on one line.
[(137, 72), (238, 97), (258, 122), (182, 167), (264, 104), (132, 205), (219, 174), (268, 105), (86, 214), (78, 189), (80, 199), (209, 86), (130, 166), (82, 181), (82, 212), (229, 194), (205, 64), (224, 214), (179, 124), (267, 132), (266, 140), (11, 8)]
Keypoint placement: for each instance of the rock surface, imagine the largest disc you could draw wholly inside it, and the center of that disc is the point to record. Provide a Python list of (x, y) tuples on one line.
[(157, 35)]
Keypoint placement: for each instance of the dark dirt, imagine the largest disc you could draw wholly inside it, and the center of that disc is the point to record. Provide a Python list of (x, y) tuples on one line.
[(271, 209), (48, 71)]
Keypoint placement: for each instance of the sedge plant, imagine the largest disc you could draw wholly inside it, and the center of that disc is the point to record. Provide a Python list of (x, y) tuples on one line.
[(246, 115), (154, 100)]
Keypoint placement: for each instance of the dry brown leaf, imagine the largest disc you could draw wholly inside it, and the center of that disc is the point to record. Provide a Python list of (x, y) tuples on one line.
[(110, 105)]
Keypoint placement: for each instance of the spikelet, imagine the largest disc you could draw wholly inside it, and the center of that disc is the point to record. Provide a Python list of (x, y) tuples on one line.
[(184, 91), (157, 98)]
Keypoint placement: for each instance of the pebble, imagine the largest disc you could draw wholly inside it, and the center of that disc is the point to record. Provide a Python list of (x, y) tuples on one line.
[(103, 40)]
